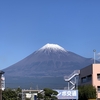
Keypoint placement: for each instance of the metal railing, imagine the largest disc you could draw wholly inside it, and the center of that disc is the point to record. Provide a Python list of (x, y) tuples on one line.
[(67, 78)]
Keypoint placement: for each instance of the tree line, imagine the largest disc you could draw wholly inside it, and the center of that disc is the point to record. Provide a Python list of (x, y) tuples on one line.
[(85, 92)]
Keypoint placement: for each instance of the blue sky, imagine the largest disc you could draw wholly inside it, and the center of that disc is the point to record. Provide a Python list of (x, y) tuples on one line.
[(27, 25)]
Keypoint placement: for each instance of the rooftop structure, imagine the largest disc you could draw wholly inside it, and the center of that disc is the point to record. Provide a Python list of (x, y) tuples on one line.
[(91, 75)]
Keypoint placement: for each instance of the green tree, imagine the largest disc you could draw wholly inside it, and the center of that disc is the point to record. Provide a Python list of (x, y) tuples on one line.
[(8, 94), (11, 94), (18, 92), (48, 94), (87, 92), (40, 96)]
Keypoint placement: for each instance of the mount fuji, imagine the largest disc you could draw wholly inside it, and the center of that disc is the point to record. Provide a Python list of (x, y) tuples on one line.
[(51, 60)]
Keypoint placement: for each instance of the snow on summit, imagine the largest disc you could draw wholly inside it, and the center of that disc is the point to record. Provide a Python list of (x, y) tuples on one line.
[(54, 47)]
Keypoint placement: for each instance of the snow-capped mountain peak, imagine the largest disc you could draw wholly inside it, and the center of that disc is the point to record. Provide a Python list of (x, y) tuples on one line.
[(54, 47)]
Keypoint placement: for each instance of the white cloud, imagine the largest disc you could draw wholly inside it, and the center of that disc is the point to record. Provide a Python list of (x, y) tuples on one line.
[(98, 54)]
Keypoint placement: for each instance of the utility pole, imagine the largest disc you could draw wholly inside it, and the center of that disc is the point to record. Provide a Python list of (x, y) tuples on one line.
[(94, 55)]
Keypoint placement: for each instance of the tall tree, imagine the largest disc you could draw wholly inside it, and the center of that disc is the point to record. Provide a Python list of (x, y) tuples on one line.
[(87, 92)]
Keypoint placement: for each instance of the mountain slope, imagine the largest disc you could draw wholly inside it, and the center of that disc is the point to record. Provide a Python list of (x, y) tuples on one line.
[(49, 61)]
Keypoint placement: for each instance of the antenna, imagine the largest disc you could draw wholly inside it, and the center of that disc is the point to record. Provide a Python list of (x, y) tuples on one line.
[(94, 55)]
